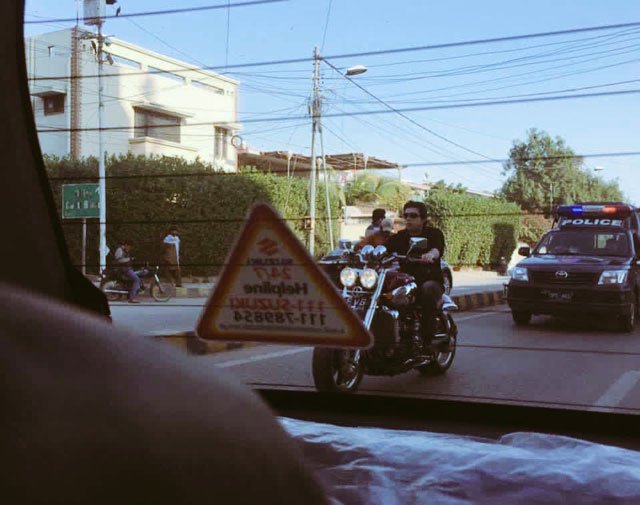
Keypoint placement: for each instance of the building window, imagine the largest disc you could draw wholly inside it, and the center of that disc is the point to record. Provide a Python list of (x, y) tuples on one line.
[(125, 62), (166, 74), (208, 87), (221, 143), (53, 104), (156, 125)]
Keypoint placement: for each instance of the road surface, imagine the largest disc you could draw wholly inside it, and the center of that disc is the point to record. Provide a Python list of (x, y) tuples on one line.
[(553, 362), (181, 314)]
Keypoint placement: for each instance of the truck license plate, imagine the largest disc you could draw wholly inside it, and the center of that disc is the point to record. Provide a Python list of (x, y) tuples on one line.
[(563, 296)]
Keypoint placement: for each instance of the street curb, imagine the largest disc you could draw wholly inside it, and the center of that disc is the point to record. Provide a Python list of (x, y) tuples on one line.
[(193, 292), (193, 344), (478, 300)]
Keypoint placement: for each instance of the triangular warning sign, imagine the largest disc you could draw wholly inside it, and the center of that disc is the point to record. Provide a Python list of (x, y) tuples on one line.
[(271, 290)]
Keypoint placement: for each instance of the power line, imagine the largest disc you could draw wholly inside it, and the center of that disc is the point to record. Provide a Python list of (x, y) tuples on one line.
[(161, 40), (517, 62), (390, 107), (382, 127), (163, 12), (425, 143), (520, 75), (539, 93), (326, 25), (374, 112), (487, 53), (376, 53), (226, 51), (620, 154)]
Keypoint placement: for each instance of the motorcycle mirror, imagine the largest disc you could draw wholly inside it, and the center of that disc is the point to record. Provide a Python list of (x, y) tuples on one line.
[(367, 251), (379, 252), (419, 243)]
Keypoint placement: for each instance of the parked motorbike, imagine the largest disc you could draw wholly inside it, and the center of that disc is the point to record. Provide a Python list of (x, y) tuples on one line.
[(116, 286), (386, 300)]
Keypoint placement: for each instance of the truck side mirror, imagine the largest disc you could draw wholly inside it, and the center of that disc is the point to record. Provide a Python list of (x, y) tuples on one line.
[(524, 251)]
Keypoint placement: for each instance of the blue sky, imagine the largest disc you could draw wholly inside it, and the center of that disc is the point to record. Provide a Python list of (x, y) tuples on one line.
[(291, 29)]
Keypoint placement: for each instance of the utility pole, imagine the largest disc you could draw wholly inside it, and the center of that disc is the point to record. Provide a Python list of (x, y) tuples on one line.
[(94, 14), (316, 126), (315, 119), (326, 185), (101, 162)]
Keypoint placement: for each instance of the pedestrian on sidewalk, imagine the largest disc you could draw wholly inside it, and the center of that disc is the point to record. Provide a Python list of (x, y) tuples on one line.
[(171, 255), (124, 264)]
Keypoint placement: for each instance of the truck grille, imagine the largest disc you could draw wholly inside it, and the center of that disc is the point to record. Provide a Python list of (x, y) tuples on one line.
[(572, 278)]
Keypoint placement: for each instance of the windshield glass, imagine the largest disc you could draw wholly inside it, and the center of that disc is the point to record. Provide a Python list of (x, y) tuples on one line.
[(162, 124), (584, 243)]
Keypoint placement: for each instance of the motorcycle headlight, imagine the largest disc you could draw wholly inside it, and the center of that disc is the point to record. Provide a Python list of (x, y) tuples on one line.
[(368, 278), (520, 274), (613, 277), (348, 277)]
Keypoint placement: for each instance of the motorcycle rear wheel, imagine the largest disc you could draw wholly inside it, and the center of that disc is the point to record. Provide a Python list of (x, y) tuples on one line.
[(161, 292), (112, 297), (334, 370), (442, 361)]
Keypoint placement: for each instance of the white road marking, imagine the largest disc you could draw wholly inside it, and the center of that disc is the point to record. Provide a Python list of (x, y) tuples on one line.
[(613, 396), (289, 352), (166, 333), (475, 316), (253, 359)]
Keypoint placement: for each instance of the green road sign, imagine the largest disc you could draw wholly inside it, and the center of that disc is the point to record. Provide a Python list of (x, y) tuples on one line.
[(80, 201)]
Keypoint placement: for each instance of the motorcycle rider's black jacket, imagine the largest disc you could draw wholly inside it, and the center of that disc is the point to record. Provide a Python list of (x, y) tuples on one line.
[(400, 243)]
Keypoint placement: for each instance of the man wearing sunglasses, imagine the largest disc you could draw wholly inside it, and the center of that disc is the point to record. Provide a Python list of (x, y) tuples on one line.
[(427, 270)]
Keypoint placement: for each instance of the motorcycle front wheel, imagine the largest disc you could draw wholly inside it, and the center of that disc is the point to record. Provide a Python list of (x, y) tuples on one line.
[(161, 291), (337, 370), (441, 361), (107, 287)]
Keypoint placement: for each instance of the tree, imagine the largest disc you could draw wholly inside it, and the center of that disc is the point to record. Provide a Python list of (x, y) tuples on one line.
[(544, 172), (372, 188), (441, 185)]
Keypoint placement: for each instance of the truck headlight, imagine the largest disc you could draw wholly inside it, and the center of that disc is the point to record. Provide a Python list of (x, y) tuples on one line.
[(613, 277), (348, 277), (368, 278), (520, 274)]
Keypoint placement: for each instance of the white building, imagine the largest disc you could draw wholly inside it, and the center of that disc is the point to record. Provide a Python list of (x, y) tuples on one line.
[(176, 108)]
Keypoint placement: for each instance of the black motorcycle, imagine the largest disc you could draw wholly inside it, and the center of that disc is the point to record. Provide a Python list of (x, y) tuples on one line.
[(116, 286), (375, 288)]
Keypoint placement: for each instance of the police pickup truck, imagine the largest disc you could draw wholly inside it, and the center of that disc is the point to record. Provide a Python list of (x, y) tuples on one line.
[(586, 265)]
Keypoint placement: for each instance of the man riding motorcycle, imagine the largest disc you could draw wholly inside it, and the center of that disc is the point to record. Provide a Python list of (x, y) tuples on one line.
[(426, 270), (123, 262)]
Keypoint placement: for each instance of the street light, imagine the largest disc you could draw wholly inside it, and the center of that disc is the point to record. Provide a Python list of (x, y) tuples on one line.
[(316, 127), (356, 70)]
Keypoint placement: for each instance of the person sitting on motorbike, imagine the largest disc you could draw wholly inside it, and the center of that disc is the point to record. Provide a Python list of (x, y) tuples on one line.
[(378, 237), (123, 263), (426, 270), (376, 219)]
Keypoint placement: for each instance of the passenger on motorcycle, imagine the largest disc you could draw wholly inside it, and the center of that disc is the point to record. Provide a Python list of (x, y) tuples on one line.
[(123, 263), (427, 271), (379, 237)]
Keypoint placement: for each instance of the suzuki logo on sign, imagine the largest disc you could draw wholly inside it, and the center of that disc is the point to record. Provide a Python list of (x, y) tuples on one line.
[(561, 274), (268, 247)]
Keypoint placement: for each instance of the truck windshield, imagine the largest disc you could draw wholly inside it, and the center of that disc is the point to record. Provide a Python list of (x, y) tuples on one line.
[(584, 243)]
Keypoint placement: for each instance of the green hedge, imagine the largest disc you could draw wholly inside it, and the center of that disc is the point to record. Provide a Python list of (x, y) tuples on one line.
[(478, 231), (146, 195)]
